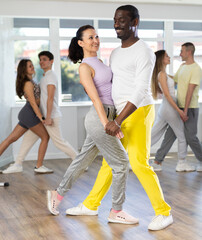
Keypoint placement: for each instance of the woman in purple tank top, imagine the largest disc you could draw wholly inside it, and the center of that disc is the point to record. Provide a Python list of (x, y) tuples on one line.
[(30, 116), (96, 79)]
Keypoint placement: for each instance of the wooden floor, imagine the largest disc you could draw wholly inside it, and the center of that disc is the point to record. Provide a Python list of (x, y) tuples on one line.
[(24, 216)]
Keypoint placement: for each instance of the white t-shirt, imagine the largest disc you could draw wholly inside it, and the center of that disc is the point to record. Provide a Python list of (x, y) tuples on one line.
[(49, 78), (132, 69)]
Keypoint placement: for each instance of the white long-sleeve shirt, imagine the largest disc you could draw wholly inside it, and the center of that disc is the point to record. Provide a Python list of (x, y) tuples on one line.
[(132, 69)]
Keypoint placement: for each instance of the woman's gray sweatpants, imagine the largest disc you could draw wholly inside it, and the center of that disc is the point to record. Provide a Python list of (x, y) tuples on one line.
[(168, 116), (111, 149)]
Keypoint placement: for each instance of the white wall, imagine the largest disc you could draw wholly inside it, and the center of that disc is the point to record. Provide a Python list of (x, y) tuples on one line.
[(76, 9)]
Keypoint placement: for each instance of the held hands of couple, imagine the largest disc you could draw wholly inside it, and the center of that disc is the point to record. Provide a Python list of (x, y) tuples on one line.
[(183, 116), (113, 128), (48, 121)]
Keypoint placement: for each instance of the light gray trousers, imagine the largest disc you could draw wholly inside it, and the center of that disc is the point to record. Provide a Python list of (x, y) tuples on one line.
[(111, 149), (190, 130), (168, 116)]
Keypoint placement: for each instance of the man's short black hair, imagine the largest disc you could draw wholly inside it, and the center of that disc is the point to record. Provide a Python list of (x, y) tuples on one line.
[(47, 54), (132, 10)]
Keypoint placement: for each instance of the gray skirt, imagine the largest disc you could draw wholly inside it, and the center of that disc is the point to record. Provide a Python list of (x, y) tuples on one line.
[(27, 117)]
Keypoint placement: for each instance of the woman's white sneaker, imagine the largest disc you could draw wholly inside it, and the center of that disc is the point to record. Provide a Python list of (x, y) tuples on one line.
[(13, 168), (43, 169)]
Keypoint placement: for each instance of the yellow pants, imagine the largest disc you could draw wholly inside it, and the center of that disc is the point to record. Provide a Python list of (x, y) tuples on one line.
[(137, 140)]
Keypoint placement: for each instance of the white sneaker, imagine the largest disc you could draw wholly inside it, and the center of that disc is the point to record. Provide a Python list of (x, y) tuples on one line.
[(13, 168), (199, 167), (156, 167), (43, 169), (183, 166), (81, 210), (160, 222)]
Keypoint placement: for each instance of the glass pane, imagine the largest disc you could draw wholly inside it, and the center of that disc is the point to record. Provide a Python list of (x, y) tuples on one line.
[(42, 32), (68, 32), (72, 90), (30, 49), (150, 33), (187, 34), (107, 33), (154, 45)]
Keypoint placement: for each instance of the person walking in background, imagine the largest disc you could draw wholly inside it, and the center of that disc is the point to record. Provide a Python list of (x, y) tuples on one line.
[(169, 114), (52, 117), (132, 64), (96, 79), (188, 79), (30, 116)]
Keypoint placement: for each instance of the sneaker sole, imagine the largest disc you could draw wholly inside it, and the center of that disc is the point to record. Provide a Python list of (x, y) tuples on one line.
[(48, 196), (117, 221), (81, 214), (4, 172), (43, 172), (185, 170)]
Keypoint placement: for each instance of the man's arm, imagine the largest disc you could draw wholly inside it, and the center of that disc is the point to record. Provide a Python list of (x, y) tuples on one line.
[(189, 95), (51, 94)]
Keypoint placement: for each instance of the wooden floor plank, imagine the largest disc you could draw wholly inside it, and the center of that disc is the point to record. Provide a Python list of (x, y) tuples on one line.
[(24, 216)]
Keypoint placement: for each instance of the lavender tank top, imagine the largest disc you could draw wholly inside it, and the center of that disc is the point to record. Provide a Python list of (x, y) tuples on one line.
[(102, 79)]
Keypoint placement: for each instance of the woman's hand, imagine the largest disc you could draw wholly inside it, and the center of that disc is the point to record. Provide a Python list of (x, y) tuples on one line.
[(183, 115), (119, 135)]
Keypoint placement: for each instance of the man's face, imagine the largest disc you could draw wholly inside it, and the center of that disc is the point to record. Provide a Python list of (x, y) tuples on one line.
[(45, 63), (123, 24), (184, 53)]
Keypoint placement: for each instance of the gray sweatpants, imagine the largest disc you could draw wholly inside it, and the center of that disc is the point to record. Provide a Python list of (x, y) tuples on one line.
[(190, 130), (168, 116), (111, 149)]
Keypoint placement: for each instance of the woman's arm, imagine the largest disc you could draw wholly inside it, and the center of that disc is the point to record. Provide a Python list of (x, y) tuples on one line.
[(29, 91), (86, 80), (162, 78)]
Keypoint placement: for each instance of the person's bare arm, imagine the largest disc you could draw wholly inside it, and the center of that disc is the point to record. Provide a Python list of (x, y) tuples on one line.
[(189, 95), (50, 99)]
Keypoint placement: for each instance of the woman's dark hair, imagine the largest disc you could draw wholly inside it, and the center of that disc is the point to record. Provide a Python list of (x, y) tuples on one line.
[(157, 68), (132, 10), (22, 77), (75, 51)]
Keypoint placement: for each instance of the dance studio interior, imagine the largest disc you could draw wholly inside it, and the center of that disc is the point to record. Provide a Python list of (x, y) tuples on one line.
[(28, 27)]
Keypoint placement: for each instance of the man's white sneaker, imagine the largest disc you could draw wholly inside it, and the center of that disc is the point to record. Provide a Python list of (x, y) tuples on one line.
[(199, 167), (13, 168), (43, 169), (183, 166), (160, 222), (81, 210), (156, 167)]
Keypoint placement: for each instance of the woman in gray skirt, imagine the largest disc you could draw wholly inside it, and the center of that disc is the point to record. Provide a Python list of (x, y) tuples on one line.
[(30, 116)]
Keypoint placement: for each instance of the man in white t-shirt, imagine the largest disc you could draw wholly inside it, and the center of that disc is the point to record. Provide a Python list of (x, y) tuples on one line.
[(132, 66), (52, 116)]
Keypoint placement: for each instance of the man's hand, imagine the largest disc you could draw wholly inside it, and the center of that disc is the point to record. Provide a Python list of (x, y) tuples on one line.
[(48, 121), (112, 129)]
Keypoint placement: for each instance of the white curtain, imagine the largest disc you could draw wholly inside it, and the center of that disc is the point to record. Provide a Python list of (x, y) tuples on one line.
[(7, 83)]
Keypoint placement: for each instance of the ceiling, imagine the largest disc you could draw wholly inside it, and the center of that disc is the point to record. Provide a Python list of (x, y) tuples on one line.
[(178, 2)]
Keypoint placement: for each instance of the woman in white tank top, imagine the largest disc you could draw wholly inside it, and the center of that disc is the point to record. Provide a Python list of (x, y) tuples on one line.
[(169, 113)]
